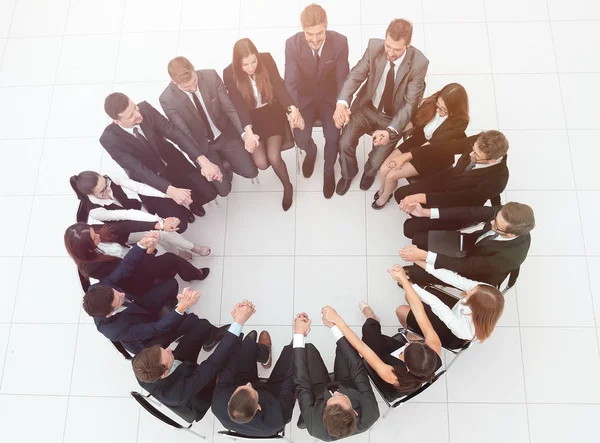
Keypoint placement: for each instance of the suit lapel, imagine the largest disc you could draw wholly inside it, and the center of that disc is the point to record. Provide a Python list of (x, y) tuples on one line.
[(325, 54), (379, 67), (205, 93)]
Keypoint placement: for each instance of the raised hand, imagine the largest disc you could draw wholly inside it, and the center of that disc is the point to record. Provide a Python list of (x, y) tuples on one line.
[(171, 224), (412, 253), (302, 324), (330, 316), (243, 311), (150, 239), (187, 299), (397, 272)]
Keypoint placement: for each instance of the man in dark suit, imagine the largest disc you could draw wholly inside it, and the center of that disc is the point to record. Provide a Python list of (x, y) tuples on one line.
[(331, 410), (491, 253), (395, 82), (198, 104), (136, 321), (176, 379), (480, 174), (137, 141), (316, 65), (244, 404)]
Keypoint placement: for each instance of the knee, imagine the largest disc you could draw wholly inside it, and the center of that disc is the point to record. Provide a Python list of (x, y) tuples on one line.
[(399, 194), (409, 228), (262, 164), (402, 313), (171, 286), (183, 225), (252, 172), (224, 189)]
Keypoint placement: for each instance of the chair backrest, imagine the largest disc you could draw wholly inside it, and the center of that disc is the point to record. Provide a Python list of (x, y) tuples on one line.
[(144, 403), (124, 352), (512, 279), (238, 436)]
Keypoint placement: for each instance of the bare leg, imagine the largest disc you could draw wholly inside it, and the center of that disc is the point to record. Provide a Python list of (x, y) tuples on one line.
[(260, 156), (391, 181), (384, 169)]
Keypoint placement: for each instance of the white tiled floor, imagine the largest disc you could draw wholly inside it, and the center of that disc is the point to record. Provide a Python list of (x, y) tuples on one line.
[(531, 70)]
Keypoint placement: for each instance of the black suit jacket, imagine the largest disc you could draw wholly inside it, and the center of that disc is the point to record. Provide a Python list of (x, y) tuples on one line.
[(488, 261), (304, 80), (276, 407), (460, 188), (182, 113), (147, 163), (189, 389), (136, 325), (312, 400)]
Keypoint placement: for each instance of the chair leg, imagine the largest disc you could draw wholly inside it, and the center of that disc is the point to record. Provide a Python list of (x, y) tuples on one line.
[(297, 159), (255, 180), (453, 360), (195, 433)]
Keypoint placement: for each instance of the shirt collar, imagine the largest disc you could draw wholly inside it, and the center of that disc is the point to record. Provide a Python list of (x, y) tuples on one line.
[(173, 367), (487, 165), (130, 130)]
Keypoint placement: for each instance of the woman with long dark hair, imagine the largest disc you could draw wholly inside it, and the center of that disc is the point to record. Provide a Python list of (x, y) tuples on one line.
[(261, 98), (104, 200), (441, 118), (405, 366), (97, 252)]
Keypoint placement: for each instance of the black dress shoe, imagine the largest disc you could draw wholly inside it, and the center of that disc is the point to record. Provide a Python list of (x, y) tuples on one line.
[(328, 185), (342, 186), (191, 217), (301, 424), (215, 338), (288, 197), (366, 182), (197, 210), (375, 206), (252, 335), (308, 165), (204, 272)]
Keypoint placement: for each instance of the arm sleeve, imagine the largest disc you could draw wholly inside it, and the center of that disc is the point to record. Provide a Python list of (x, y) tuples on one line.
[(475, 214), (342, 68), (476, 264), (471, 196), (414, 92), (133, 166), (304, 386), (147, 331), (227, 105), (174, 116), (137, 187), (355, 78), (292, 71), (125, 267), (236, 97), (173, 133), (104, 215), (283, 97), (452, 278), (356, 368), (286, 393), (458, 325)]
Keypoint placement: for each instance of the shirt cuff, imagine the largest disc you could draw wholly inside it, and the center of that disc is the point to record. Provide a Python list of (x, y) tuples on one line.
[(337, 334), (299, 340), (430, 268), (431, 258), (235, 329), (143, 247), (435, 213), (393, 129), (343, 102)]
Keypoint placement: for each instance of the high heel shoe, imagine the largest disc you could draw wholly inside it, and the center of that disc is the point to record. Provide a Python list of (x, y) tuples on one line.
[(288, 196), (376, 196), (375, 206)]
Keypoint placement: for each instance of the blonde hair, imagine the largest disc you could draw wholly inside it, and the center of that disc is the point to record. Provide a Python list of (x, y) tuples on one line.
[(180, 69), (313, 15)]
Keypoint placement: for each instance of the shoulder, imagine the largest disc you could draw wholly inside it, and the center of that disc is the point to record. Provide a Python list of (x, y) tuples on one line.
[(167, 92), (375, 44), (294, 40), (228, 72), (206, 73), (416, 56), (266, 57)]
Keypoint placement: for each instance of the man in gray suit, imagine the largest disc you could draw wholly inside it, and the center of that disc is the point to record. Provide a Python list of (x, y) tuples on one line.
[(198, 104), (395, 74)]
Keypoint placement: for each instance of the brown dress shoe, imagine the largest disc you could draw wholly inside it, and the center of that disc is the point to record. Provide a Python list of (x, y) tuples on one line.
[(265, 339)]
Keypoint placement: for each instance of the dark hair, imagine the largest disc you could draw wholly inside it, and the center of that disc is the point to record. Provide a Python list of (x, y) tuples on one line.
[(519, 217), (493, 144), (147, 366), (242, 406), (97, 302), (85, 182), (338, 421), (456, 100), (420, 362), (313, 15), (180, 70), (244, 48), (81, 248), (115, 103), (400, 29)]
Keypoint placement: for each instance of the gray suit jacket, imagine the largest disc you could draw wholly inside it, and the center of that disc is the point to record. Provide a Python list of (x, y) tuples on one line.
[(409, 84), (182, 113)]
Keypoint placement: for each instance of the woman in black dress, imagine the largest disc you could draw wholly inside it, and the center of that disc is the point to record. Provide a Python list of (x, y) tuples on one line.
[(260, 96), (441, 118)]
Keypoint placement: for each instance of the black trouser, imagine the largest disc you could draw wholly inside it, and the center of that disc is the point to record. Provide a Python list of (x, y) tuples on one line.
[(319, 109), (364, 120), (417, 225), (317, 370), (167, 265), (250, 353), (195, 332), (161, 294), (230, 148), (166, 207), (435, 183), (182, 174), (380, 344)]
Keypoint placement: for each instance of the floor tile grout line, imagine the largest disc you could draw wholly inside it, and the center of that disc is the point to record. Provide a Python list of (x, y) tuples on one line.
[(574, 175), (223, 266)]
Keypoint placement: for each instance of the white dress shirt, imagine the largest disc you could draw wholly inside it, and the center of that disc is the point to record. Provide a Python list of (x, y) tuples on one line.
[(381, 85), (214, 129), (104, 215), (487, 165), (300, 339), (257, 95), (113, 249), (130, 130), (433, 124)]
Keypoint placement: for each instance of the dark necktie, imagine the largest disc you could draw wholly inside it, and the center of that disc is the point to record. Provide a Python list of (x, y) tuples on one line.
[(470, 166), (317, 57), (209, 132), (386, 102), (140, 137)]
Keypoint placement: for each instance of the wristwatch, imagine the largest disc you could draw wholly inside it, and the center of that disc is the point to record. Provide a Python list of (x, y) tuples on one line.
[(391, 132)]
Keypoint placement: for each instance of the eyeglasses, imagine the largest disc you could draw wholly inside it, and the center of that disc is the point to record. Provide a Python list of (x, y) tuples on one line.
[(441, 108), (107, 183)]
